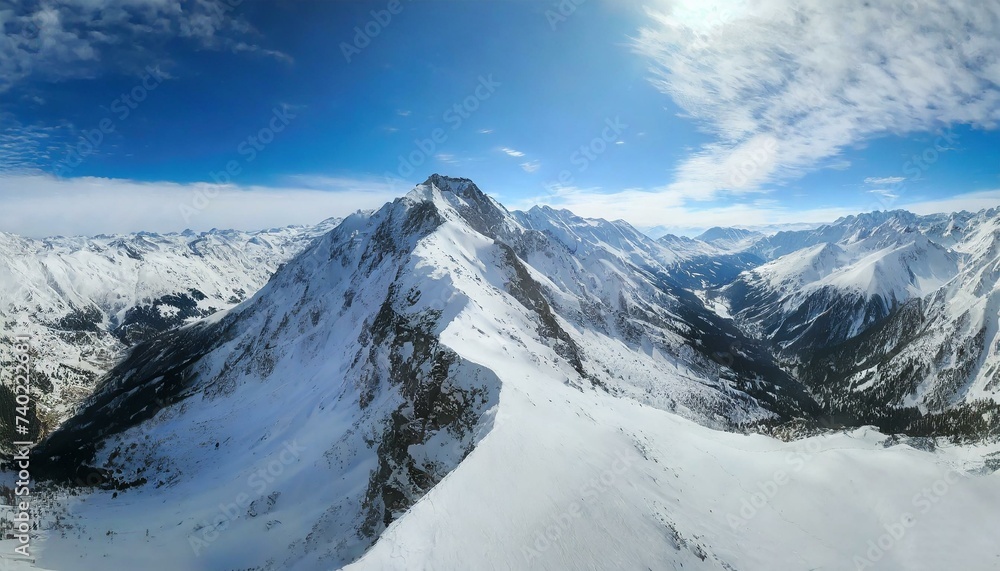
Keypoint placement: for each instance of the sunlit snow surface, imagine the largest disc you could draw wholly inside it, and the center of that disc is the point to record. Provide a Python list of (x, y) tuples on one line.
[(580, 480)]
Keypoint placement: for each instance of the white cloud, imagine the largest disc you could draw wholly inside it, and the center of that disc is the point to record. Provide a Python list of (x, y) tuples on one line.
[(884, 193), (27, 148), (485, 131), (41, 205), (786, 85), (531, 166), (884, 179), (511, 152), (403, 112), (255, 49), (446, 158)]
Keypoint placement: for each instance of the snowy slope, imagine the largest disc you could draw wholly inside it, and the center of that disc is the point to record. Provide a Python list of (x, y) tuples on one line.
[(730, 239), (354, 352), (567, 478), (936, 353), (831, 292), (85, 300), (580, 481), (887, 317), (444, 384), (630, 315)]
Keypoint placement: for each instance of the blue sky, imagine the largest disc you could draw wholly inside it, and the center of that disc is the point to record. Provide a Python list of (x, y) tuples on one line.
[(673, 115)]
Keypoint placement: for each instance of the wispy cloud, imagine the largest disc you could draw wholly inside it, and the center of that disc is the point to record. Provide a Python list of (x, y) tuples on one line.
[(403, 112), (485, 131), (42, 205), (55, 40), (970, 201), (884, 179), (884, 193), (531, 166), (255, 49), (28, 148), (446, 158), (511, 152), (787, 85)]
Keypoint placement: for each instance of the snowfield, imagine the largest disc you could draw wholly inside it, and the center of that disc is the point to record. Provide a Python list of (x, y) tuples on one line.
[(578, 481), (570, 479)]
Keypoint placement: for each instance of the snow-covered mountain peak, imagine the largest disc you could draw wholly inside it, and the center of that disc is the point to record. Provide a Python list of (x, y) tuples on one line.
[(441, 279), (452, 188), (875, 218), (799, 268), (458, 185), (461, 195), (598, 237), (729, 239)]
